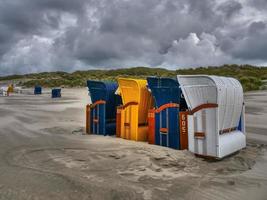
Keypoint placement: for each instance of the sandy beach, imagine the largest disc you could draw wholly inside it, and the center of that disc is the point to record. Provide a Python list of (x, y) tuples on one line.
[(45, 154)]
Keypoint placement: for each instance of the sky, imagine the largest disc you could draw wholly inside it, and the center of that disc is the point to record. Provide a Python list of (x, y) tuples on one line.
[(69, 35)]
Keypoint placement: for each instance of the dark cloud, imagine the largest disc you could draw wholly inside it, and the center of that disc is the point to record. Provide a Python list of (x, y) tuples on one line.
[(257, 28), (259, 4), (254, 45), (81, 34), (230, 8), (133, 32)]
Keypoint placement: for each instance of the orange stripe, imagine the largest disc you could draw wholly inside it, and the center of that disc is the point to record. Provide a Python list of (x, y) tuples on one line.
[(163, 130), (203, 106), (95, 120)]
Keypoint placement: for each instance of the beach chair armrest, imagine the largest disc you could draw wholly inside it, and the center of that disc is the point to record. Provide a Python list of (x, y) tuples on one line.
[(203, 106), (165, 106), (132, 103), (97, 103)]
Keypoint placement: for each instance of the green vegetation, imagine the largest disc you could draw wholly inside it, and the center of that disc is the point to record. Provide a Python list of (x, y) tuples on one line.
[(252, 78)]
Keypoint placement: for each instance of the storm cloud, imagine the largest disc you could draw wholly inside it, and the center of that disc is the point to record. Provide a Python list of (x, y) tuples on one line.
[(69, 35)]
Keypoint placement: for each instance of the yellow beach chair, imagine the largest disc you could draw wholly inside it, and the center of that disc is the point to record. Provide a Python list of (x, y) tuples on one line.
[(10, 88), (132, 121)]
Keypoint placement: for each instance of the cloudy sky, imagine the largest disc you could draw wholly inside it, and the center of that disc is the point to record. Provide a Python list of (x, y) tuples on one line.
[(68, 35)]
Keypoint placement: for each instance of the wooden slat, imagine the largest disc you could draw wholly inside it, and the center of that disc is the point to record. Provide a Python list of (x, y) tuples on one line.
[(118, 123), (199, 134), (151, 126), (163, 130), (87, 125), (227, 130), (183, 130), (127, 124)]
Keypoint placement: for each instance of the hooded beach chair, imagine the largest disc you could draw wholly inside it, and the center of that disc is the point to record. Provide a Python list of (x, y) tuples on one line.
[(37, 90), (163, 119), (132, 121), (10, 88), (101, 114), (216, 125), (56, 93)]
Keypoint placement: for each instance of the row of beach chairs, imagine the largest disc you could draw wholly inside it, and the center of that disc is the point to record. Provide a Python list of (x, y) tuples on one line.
[(204, 114)]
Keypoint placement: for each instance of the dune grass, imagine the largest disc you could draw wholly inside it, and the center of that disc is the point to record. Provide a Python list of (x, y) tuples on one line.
[(251, 77)]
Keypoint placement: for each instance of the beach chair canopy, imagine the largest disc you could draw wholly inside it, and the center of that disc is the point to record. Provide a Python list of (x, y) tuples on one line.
[(135, 90), (99, 90), (224, 91), (164, 90)]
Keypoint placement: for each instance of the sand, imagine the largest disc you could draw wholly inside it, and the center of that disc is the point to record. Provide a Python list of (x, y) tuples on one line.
[(45, 154)]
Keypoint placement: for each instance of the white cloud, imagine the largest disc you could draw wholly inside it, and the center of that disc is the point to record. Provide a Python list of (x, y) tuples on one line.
[(33, 53), (195, 51)]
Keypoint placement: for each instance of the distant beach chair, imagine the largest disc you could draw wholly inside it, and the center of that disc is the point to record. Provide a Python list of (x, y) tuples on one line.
[(37, 90), (56, 93)]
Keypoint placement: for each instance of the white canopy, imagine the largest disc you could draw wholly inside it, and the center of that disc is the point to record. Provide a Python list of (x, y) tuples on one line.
[(219, 122), (224, 91)]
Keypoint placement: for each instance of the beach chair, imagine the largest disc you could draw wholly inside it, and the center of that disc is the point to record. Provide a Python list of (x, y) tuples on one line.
[(132, 116), (10, 88), (164, 126), (101, 114), (216, 121), (37, 90), (56, 93)]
